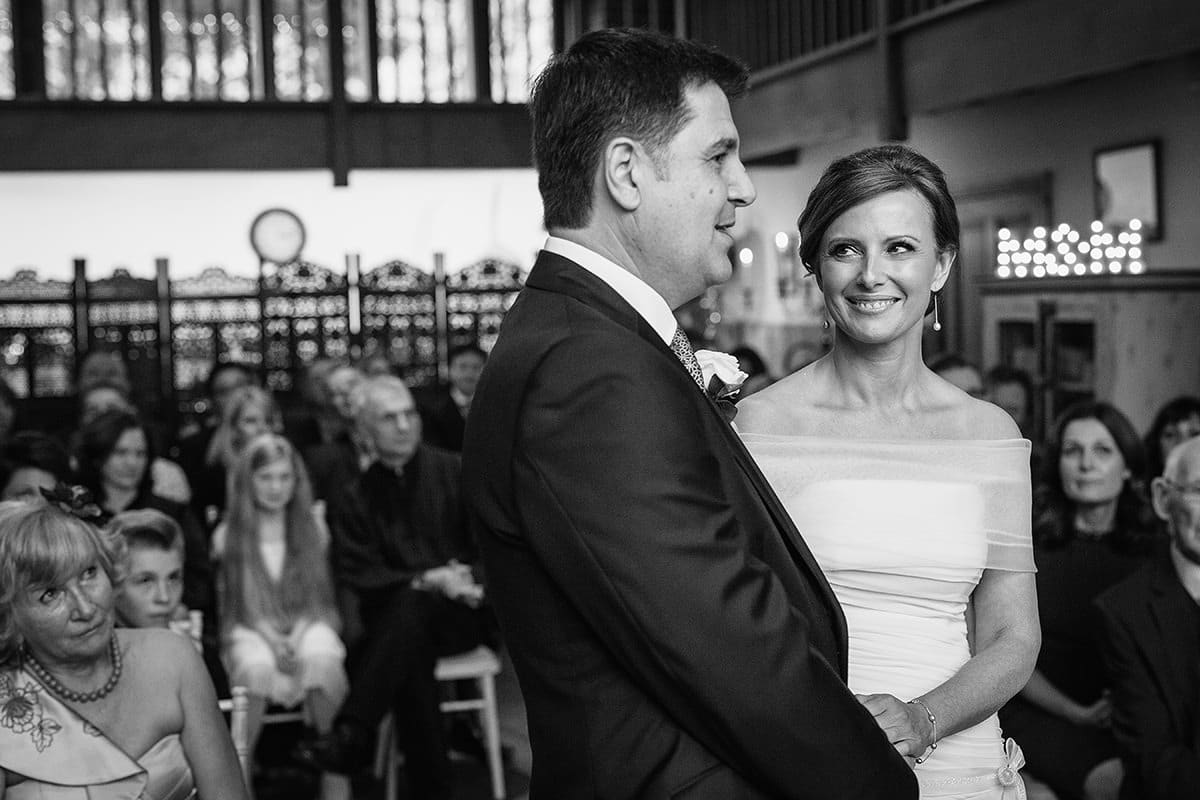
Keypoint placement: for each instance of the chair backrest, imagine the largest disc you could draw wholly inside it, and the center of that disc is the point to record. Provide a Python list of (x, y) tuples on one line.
[(236, 707), (192, 627)]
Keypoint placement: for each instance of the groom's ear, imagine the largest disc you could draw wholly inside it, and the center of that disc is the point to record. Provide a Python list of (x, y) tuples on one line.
[(620, 172)]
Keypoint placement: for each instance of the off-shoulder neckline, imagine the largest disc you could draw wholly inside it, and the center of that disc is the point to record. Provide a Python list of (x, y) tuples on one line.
[(877, 441)]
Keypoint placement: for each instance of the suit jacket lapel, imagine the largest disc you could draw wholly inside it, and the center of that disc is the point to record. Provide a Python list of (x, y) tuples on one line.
[(792, 538), (554, 273), (1174, 613)]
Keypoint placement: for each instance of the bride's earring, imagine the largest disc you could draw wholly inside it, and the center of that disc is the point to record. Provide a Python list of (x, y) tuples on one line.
[(937, 324), (825, 324)]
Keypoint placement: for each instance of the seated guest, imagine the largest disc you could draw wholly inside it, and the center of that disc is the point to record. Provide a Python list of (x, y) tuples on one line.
[(1092, 527), (30, 461), (1151, 624), (113, 458), (444, 407), (151, 596), (400, 547), (960, 372), (346, 455), (1176, 422), (246, 413), (279, 617), (70, 681), (224, 378), (167, 479)]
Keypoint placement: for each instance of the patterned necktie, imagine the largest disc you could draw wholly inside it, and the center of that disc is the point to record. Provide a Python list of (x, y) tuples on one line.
[(682, 349)]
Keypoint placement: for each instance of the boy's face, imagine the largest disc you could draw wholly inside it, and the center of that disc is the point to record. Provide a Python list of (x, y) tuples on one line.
[(152, 591)]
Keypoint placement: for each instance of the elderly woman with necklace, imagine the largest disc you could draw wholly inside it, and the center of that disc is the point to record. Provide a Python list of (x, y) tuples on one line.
[(87, 710)]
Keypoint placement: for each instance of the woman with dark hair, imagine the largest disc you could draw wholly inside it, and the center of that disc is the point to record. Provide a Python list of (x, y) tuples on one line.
[(913, 495), (1176, 422), (1092, 526), (113, 461)]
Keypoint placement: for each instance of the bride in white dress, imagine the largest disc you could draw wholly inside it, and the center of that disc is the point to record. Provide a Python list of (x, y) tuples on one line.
[(913, 496)]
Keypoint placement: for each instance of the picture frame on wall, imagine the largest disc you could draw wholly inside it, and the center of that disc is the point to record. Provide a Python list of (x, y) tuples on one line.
[(1127, 186)]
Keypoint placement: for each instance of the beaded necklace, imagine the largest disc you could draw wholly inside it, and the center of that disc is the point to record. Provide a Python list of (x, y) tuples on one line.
[(53, 684)]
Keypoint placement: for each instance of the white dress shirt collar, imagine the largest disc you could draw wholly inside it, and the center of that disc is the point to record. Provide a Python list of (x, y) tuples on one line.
[(648, 303)]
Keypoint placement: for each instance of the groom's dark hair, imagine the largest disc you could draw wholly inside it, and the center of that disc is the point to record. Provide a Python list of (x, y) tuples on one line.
[(613, 82)]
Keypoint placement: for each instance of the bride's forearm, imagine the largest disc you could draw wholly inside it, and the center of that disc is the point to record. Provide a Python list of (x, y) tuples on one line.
[(1007, 639)]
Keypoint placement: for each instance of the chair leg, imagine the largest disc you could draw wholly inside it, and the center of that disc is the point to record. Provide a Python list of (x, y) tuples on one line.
[(491, 735), (385, 757)]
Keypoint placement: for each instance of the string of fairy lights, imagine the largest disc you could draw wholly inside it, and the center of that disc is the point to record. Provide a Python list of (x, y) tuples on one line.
[(1064, 252)]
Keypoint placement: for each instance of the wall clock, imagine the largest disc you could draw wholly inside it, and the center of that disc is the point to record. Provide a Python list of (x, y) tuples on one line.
[(277, 235)]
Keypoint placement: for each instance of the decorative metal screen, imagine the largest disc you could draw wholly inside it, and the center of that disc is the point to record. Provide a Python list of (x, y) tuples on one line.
[(123, 318), (399, 320), (215, 317), (37, 340), (305, 317), (476, 299)]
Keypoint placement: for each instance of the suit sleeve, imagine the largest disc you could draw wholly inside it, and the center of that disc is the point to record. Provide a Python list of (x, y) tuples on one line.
[(620, 492), (358, 561), (1169, 768)]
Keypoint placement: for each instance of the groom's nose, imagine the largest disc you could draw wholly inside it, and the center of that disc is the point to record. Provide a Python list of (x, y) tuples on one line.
[(741, 188)]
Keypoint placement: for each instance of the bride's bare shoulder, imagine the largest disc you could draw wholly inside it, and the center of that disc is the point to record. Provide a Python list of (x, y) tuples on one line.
[(780, 407), (967, 417)]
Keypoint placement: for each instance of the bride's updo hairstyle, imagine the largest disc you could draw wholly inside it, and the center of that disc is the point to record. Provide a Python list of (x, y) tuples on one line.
[(869, 173)]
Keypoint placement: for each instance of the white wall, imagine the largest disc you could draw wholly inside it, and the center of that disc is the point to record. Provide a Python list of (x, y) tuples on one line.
[(201, 219)]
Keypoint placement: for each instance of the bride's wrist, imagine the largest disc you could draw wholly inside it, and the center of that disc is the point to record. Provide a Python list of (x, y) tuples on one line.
[(931, 719)]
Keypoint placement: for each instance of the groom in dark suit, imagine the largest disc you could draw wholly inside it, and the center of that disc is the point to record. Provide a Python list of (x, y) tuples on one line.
[(671, 632)]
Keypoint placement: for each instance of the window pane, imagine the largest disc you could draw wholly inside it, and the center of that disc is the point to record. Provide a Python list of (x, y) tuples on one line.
[(213, 54), (8, 80), (301, 39), (522, 40), (358, 56), (100, 53), (425, 53)]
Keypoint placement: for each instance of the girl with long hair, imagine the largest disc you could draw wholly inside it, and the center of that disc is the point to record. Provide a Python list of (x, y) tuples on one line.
[(279, 619)]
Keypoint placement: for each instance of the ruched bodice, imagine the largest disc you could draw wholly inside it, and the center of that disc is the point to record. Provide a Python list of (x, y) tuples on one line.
[(903, 531), (168, 774)]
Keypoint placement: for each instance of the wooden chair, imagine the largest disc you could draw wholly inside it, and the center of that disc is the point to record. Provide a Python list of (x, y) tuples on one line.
[(480, 665), (235, 707)]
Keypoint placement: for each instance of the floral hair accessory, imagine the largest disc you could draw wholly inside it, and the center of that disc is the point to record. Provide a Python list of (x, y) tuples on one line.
[(76, 501), (723, 379)]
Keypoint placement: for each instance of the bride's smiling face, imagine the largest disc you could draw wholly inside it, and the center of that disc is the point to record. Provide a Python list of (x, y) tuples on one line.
[(879, 262)]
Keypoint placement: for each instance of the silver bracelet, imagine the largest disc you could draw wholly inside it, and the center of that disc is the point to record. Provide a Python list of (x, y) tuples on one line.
[(916, 701)]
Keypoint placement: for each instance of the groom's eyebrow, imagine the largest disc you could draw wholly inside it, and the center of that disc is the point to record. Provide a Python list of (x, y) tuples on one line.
[(728, 144)]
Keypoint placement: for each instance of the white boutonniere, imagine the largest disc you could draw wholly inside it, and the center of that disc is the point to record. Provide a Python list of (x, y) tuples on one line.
[(722, 379)]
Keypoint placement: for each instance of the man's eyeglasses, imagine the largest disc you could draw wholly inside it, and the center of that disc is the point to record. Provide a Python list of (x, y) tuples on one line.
[(1189, 492)]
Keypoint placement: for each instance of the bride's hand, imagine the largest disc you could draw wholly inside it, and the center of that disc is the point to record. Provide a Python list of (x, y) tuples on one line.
[(906, 725)]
